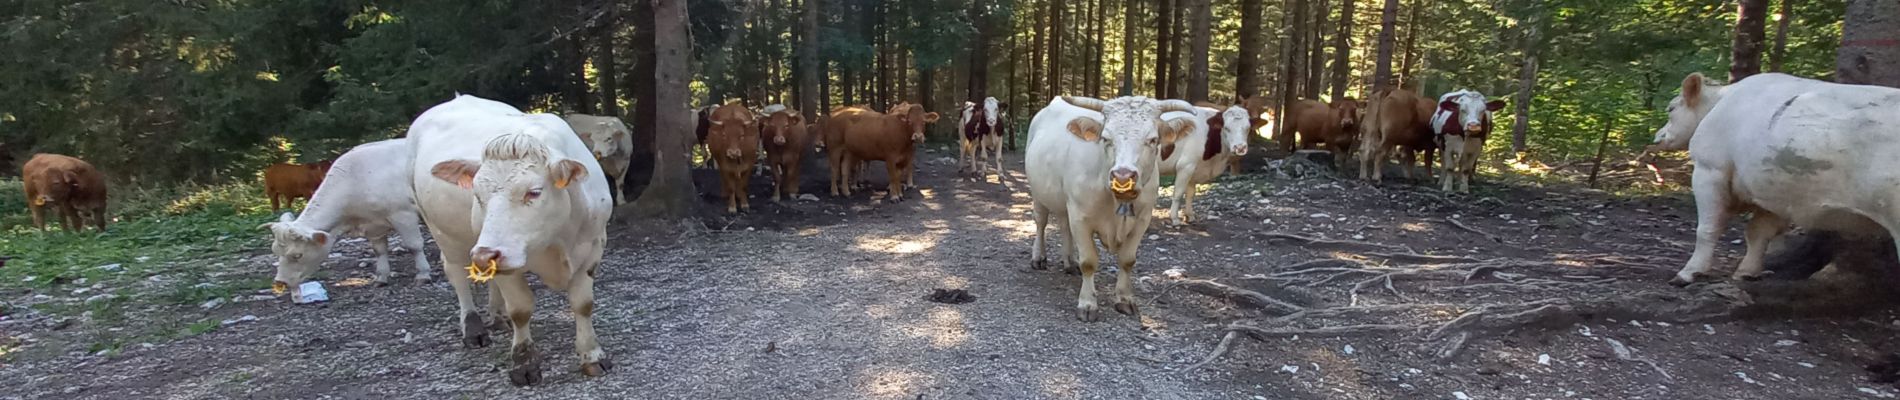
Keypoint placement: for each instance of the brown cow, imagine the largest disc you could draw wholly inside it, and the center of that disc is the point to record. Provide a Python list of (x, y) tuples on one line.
[(733, 140), (1396, 120), (786, 138), (68, 183), (288, 182), (1336, 126), (860, 134)]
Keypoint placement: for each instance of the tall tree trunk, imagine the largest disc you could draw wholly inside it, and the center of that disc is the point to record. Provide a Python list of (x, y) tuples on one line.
[(1414, 31), (979, 51), (1288, 79), (1197, 49), (1055, 46), (1527, 85), (825, 86), (1129, 27), (1164, 19), (1316, 57), (671, 191), (1037, 45), (1101, 47), (880, 46), (1382, 70), (1296, 39), (604, 62), (808, 61), (1015, 86), (1779, 52), (573, 61), (926, 85), (1750, 28), (640, 78), (1870, 44), (1177, 77), (1247, 65), (1342, 50)]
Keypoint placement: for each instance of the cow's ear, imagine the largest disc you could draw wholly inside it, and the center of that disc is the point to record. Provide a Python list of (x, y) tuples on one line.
[(1086, 128), (1692, 89), (797, 118), (1448, 105), (930, 118), (1174, 128), (320, 237), (459, 172), (1494, 105), (565, 172)]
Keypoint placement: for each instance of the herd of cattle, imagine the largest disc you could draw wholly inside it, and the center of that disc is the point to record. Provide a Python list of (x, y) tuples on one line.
[(505, 192)]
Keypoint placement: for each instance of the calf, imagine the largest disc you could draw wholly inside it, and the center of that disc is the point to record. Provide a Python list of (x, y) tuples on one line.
[(980, 133), (1201, 153), (1460, 126), (733, 139), (786, 138), (369, 195), (285, 183), (1336, 126), (1395, 120), (505, 193), (1093, 166), (612, 144), (857, 134), (70, 184), (1790, 151)]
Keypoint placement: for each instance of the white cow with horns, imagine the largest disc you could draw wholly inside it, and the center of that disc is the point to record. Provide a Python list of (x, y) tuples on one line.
[(1200, 154), (506, 193), (1094, 166), (1788, 150)]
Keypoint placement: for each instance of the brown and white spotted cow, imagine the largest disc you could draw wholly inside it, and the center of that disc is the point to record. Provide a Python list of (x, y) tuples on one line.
[(1461, 124), (980, 132)]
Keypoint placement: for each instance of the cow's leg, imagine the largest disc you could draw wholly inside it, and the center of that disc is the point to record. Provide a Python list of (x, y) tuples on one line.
[(895, 171), (1473, 150), (836, 162), (1763, 227), (1712, 206), (1407, 158), (996, 145), (580, 301), (1187, 208), (791, 179), (454, 261), (1068, 252), (379, 243), (1039, 248), (1083, 244), (733, 192), (1428, 163), (848, 167), (1183, 184), (964, 154), (778, 177), (1125, 277), (69, 216), (1447, 164), (410, 234), (39, 216), (526, 361), (274, 206), (739, 190)]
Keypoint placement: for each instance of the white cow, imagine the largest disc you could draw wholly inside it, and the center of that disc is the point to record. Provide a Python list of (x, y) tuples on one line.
[(1197, 157), (1788, 150), (612, 144), (1094, 166), (512, 193), (978, 131), (366, 194), (1460, 125)]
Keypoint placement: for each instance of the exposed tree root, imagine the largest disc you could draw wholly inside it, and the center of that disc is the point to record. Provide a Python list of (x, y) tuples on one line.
[(1312, 241), (1244, 296), (1423, 258), (1461, 225)]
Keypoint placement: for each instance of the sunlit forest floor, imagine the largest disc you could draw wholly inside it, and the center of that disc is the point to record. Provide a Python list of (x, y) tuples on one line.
[(1330, 288)]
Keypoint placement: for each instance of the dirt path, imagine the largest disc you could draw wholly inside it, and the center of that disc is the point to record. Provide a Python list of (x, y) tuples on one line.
[(826, 299)]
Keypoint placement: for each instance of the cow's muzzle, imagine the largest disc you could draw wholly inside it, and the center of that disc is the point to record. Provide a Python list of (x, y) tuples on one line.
[(1473, 128), (732, 153), (599, 155), (778, 140), (1122, 182), (917, 137), (42, 200), (1240, 149)]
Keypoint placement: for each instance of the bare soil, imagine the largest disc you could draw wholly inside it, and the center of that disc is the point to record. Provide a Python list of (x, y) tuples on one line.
[(834, 299)]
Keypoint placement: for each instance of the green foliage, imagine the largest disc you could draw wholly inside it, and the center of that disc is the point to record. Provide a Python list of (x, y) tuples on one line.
[(157, 231)]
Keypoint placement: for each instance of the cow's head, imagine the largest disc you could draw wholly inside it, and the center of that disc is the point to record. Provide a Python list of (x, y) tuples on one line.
[(734, 124), (1132, 131), (1347, 111), (1470, 110), (779, 125), (1235, 124), (1686, 112), (59, 185), (914, 118), (522, 196), (300, 251), (991, 109), (604, 137)]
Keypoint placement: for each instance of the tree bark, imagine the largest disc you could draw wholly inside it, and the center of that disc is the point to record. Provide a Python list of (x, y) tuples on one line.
[(1055, 46), (1101, 47), (1413, 31), (1247, 65), (1750, 29), (1164, 20), (808, 62), (670, 193), (604, 62), (1177, 79), (640, 78), (1382, 70), (1527, 85), (1037, 45), (1296, 59), (1342, 50), (1197, 50), (573, 61), (979, 51), (1870, 44), (1316, 51), (1777, 54), (1129, 27)]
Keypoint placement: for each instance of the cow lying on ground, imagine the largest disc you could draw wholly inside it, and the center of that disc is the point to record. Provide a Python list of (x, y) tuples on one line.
[(786, 137), (980, 133), (368, 195), (285, 183), (1397, 120), (1336, 126), (1790, 151), (1461, 123), (733, 139), (505, 193), (612, 144), (1093, 166), (859, 134), (69, 184), (1200, 154)]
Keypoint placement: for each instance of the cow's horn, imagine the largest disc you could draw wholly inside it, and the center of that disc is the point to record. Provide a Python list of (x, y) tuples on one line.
[(1176, 105), (1085, 102)]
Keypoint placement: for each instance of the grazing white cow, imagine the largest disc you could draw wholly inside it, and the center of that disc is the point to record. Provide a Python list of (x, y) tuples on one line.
[(1788, 150), (507, 193), (1461, 124), (612, 144), (1093, 165), (366, 194), (1198, 157), (980, 133)]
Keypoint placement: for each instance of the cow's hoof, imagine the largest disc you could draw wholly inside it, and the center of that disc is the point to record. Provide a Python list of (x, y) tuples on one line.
[(1128, 308), (382, 281), (474, 334), (597, 368), (1088, 313), (1039, 265), (422, 280), (1682, 280), (1747, 277), (527, 370)]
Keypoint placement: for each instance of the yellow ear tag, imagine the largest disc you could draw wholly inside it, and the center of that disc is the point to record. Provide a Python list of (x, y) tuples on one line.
[(480, 275), (278, 287)]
